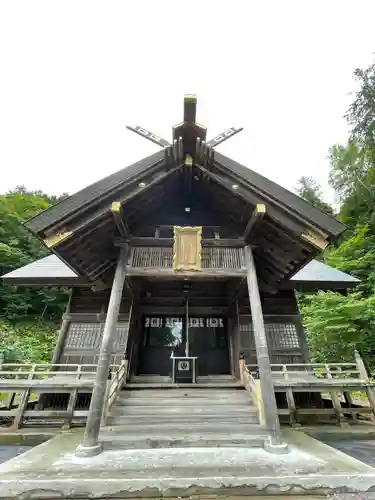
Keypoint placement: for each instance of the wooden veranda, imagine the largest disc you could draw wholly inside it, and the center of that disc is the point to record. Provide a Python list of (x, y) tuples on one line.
[(67, 391)]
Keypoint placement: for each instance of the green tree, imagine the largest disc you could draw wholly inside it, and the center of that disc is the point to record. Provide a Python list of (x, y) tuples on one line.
[(356, 256), (28, 316), (336, 324), (361, 113), (309, 189), (352, 175)]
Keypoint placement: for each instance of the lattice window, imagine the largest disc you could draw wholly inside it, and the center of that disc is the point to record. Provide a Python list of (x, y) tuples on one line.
[(279, 336), (84, 335), (88, 335), (282, 336)]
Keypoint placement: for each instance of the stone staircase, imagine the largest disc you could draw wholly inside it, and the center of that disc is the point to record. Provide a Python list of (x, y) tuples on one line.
[(213, 413)]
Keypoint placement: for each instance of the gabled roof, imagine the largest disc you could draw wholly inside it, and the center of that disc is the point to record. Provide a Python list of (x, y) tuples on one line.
[(318, 271), (114, 182), (319, 276), (82, 229), (51, 270)]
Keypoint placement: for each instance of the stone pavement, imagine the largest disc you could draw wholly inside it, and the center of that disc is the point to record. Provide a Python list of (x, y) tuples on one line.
[(52, 470)]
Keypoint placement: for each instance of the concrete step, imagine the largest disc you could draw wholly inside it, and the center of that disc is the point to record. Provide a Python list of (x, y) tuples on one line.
[(182, 410), (136, 428), (214, 393), (186, 420), (160, 378), (147, 379), (167, 385), (180, 440), (182, 401)]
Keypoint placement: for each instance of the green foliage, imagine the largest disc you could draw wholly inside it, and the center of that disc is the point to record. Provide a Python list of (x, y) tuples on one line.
[(352, 176), (356, 256), (27, 342), (28, 316), (336, 323), (361, 114)]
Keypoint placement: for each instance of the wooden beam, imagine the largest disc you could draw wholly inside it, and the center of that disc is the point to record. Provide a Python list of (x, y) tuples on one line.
[(168, 242), (99, 269), (79, 236), (118, 216), (255, 219), (98, 317), (172, 274)]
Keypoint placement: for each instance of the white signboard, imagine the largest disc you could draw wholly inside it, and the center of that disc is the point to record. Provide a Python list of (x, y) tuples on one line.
[(171, 322)]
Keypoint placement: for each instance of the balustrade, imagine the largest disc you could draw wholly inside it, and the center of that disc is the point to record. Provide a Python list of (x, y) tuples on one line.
[(211, 258)]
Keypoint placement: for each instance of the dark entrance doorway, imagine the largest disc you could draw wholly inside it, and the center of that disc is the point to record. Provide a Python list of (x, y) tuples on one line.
[(166, 336)]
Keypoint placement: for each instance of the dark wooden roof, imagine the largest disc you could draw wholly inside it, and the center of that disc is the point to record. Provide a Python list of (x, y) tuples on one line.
[(281, 195), (114, 182), (87, 196)]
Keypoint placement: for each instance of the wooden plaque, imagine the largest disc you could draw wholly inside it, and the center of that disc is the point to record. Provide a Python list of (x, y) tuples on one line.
[(187, 248)]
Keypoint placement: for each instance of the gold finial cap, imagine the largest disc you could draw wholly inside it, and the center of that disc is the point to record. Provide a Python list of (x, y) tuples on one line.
[(190, 98)]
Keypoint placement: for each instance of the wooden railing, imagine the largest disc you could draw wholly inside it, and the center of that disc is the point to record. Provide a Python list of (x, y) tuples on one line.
[(25, 387), (311, 371), (252, 386), (212, 257), (13, 371), (114, 386), (337, 380)]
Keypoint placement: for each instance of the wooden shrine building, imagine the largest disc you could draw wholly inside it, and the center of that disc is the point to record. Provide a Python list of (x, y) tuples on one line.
[(185, 253)]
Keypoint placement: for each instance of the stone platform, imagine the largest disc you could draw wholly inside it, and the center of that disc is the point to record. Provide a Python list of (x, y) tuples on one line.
[(51, 470)]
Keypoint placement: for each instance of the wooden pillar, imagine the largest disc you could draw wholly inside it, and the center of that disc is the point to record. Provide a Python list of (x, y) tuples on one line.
[(91, 445), (62, 334), (274, 444)]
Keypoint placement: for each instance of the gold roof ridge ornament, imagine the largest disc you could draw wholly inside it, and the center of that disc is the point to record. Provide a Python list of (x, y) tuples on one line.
[(187, 248)]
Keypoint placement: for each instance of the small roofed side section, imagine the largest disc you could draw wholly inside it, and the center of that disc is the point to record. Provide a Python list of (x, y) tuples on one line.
[(51, 270)]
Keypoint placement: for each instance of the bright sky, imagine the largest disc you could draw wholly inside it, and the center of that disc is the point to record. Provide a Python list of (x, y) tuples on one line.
[(75, 72)]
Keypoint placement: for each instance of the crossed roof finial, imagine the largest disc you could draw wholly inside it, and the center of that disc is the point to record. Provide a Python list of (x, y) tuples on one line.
[(189, 130)]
